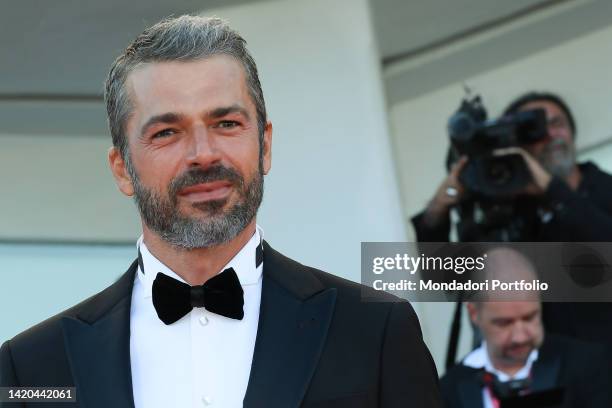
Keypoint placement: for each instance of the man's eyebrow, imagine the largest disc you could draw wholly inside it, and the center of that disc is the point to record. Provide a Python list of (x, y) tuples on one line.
[(169, 117), (557, 119), (530, 315), (226, 110), (502, 320)]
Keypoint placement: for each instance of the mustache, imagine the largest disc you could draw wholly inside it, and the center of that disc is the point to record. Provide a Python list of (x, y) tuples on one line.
[(199, 176), (555, 144), (515, 346)]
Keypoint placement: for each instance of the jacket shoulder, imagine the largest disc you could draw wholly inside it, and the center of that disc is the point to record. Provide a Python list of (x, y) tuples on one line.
[(37, 356), (456, 374), (574, 352)]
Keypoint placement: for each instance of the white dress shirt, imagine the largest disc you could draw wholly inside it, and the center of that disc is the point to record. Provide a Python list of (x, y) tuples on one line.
[(203, 359), (479, 358)]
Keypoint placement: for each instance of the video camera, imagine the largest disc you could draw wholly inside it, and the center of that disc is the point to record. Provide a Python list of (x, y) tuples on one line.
[(472, 135)]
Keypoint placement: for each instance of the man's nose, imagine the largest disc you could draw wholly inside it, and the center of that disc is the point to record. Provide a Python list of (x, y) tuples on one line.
[(553, 133), (520, 333), (556, 131), (202, 151)]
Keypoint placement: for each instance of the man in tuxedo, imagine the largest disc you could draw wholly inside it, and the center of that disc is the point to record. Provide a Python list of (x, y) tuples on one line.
[(516, 357), (210, 314)]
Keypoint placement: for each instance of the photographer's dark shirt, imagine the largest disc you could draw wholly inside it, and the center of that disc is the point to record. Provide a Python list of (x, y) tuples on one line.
[(584, 215)]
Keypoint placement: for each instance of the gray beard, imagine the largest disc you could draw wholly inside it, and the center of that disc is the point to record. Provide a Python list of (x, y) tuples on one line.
[(561, 169), (558, 163), (215, 226)]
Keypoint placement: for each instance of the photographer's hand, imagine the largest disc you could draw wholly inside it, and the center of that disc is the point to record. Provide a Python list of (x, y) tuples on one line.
[(449, 193), (539, 176)]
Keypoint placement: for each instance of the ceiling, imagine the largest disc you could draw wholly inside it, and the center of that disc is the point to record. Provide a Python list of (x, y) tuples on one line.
[(404, 27), (426, 45), (60, 49), (50, 47)]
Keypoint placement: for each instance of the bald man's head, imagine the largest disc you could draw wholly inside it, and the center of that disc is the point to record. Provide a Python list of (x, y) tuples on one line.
[(510, 321)]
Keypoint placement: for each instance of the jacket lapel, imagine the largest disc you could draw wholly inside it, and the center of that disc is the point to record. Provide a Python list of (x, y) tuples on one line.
[(470, 390), (295, 314), (545, 371), (97, 342)]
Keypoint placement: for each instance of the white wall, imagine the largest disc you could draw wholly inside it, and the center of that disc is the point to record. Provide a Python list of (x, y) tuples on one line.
[(40, 280), (578, 70), (60, 188)]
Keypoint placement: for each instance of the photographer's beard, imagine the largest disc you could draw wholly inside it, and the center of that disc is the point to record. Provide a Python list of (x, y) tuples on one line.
[(558, 157), (215, 224)]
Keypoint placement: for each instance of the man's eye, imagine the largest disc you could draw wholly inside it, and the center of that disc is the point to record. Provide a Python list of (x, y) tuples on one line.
[(557, 123), (227, 124), (502, 323), (164, 133)]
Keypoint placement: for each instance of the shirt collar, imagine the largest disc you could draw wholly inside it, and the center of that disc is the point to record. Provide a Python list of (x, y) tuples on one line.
[(479, 358), (243, 263)]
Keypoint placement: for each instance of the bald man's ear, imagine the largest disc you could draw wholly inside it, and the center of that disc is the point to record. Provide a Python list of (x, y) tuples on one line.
[(472, 309), (122, 177)]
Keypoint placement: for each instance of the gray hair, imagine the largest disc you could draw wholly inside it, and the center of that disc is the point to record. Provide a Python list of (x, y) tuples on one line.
[(184, 38)]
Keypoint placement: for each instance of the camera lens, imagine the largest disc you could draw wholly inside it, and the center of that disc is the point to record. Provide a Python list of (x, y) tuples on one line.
[(499, 172)]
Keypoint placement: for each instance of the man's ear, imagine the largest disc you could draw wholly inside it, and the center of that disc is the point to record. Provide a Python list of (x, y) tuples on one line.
[(267, 148), (472, 309), (122, 177)]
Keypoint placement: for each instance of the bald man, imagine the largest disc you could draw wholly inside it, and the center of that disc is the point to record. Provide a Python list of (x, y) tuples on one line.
[(516, 356)]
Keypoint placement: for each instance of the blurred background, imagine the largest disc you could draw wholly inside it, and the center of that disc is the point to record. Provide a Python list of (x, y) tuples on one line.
[(359, 93)]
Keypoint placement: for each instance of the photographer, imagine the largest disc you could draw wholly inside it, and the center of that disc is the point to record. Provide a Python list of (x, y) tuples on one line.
[(563, 201)]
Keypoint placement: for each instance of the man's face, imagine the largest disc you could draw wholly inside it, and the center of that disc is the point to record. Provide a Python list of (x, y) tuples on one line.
[(556, 152), (193, 139), (511, 329)]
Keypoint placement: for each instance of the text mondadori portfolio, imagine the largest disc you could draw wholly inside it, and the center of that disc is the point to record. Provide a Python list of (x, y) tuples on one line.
[(469, 285)]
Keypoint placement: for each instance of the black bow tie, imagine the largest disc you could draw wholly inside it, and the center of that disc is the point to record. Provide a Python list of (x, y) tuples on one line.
[(221, 294)]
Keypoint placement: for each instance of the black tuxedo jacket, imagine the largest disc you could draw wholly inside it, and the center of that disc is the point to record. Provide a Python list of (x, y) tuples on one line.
[(577, 366), (318, 345)]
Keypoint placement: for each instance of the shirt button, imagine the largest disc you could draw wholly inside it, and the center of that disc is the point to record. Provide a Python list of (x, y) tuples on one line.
[(207, 401), (203, 320)]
